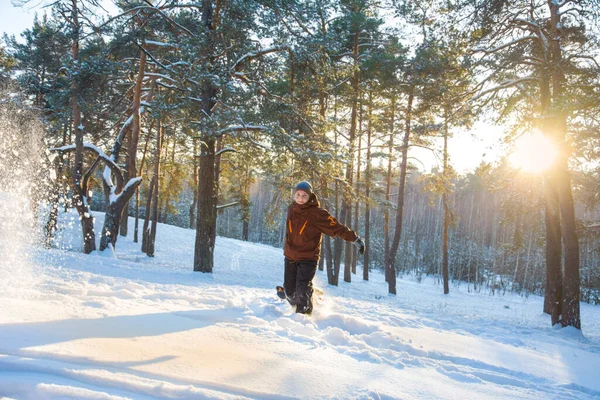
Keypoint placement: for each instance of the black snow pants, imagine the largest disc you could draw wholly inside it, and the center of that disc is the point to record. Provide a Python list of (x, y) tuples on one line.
[(297, 283)]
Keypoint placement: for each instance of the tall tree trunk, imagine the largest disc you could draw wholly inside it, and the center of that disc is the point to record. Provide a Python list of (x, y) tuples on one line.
[(195, 180), (333, 278), (553, 289), (147, 217), (152, 234), (446, 209), (135, 135), (346, 213), (366, 259), (388, 188), (245, 207), (137, 192), (400, 207), (571, 281), (357, 184), (79, 196), (206, 222)]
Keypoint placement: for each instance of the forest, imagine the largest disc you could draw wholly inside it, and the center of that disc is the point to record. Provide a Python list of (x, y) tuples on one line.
[(205, 114)]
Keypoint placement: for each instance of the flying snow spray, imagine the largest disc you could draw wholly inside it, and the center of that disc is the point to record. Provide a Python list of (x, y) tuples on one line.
[(21, 162)]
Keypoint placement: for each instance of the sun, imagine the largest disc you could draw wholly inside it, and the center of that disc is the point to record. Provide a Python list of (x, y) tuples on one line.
[(534, 153)]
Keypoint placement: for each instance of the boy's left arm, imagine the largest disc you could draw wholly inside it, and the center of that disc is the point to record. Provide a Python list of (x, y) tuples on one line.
[(329, 225)]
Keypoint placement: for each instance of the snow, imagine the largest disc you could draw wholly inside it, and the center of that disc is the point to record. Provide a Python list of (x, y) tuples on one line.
[(125, 326), (161, 44)]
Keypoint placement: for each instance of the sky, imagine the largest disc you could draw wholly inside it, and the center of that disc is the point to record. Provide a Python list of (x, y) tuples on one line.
[(14, 20)]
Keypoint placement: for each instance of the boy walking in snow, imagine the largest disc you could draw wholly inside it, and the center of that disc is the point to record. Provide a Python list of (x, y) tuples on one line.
[(305, 224)]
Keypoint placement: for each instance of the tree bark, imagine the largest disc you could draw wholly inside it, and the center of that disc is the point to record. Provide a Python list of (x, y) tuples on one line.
[(206, 222), (446, 209), (152, 234), (146, 230), (137, 192), (554, 284), (388, 188), (135, 135), (347, 197), (366, 259), (400, 207), (195, 180), (79, 196)]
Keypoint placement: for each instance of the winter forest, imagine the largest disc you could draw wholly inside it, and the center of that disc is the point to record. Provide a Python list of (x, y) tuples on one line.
[(205, 114)]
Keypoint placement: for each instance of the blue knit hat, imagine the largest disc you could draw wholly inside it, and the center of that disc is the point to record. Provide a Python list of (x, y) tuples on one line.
[(305, 186)]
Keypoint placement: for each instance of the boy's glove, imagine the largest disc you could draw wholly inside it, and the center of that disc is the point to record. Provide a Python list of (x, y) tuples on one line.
[(360, 245)]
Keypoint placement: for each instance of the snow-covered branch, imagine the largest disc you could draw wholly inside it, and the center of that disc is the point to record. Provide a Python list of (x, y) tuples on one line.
[(91, 147), (161, 76), (590, 58), (255, 54), (526, 22), (108, 161), (238, 128), (161, 44), (126, 193), (225, 150), (569, 11)]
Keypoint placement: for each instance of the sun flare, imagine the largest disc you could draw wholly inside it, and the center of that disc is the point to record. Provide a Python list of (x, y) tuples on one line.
[(533, 153)]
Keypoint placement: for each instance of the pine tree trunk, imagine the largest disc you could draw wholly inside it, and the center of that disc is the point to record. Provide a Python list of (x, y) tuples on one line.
[(150, 245), (388, 188), (446, 210), (79, 195), (347, 197), (206, 222), (147, 217), (333, 277), (400, 207), (357, 188), (137, 192), (195, 181), (114, 212), (571, 281), (366, 259)]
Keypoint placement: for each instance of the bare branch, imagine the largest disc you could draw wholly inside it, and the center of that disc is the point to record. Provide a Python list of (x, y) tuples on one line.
[(228, 205), (505, 45), (504, 85)]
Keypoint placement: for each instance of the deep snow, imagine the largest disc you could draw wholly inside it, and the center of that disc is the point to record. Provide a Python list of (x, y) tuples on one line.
[(117, 326)]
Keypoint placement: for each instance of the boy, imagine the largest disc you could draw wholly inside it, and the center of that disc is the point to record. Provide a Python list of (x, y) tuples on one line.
[(305, 224)]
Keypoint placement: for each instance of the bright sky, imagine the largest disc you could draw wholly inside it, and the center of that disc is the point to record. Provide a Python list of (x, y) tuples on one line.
[(467, 149), (15, 20)]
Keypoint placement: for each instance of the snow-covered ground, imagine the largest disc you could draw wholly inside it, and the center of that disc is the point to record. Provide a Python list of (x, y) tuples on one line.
[(76, 326)]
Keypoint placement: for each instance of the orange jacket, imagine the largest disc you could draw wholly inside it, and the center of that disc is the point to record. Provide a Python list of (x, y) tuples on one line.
[(305, 225)]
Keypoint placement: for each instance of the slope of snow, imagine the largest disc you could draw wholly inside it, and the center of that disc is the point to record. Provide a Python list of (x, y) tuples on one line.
[(125, 326)]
